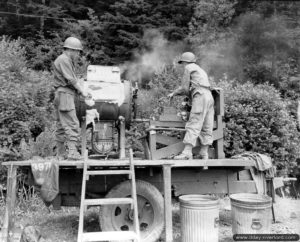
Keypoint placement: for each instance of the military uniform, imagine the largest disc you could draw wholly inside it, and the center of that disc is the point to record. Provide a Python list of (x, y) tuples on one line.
[(64, 81), (195, 84)]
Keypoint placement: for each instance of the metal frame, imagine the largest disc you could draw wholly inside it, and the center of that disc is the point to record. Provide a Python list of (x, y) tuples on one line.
[(169, 121)]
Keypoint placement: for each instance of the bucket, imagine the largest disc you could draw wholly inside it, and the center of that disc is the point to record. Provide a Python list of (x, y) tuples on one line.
[(251, 213), (199, 218)]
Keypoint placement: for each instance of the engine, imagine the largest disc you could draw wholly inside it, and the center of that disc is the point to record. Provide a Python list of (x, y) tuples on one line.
[(114, 102)]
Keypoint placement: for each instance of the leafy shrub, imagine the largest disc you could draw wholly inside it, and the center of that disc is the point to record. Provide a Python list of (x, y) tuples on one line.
[(24, 99), (257, 119), (151, 101)]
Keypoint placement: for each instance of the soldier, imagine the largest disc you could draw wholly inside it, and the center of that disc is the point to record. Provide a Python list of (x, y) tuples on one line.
[(195, 84), (67, 86)]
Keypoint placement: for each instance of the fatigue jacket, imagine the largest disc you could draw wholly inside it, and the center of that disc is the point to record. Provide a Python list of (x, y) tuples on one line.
[(64, 74), (194, 81)]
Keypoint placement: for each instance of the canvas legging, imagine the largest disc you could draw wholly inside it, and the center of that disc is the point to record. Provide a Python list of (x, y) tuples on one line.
[(201, 120)]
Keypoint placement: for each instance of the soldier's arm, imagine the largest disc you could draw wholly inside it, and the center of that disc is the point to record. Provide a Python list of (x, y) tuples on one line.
[(68, 74), (185, 84)]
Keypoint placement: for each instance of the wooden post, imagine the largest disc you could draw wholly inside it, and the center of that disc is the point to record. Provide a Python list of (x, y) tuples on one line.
[(168, 202), (122, 140), (152, 141), (10, 204), (83, 136)]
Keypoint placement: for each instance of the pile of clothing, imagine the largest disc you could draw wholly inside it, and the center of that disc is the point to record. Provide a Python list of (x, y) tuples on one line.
[(263, 169)]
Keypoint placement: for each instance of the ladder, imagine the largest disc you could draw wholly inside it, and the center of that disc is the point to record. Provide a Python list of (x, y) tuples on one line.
[(109, 235)]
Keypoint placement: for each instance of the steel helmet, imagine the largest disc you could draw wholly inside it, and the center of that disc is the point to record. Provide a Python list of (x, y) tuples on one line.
[(73, 43), (187, 57)]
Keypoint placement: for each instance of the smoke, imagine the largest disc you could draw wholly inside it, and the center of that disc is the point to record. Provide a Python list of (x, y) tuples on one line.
[(219, 58), (157, 53)]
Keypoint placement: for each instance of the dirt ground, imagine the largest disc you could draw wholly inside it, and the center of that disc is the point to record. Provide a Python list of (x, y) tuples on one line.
[(61, 225)]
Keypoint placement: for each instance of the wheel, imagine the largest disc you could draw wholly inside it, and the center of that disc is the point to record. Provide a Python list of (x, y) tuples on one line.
[(150, 207)]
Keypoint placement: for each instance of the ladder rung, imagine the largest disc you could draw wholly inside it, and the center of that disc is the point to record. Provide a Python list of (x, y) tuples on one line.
[(109, 172), (108, 236), (108, 201)]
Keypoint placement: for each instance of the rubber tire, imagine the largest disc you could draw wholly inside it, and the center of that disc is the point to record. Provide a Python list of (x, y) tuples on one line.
[(146, 190)]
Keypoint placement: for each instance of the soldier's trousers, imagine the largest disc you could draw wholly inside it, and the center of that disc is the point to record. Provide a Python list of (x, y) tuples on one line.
[(67, 124), (201, 120)]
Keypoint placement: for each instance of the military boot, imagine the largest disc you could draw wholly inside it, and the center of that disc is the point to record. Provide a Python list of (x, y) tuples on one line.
[(61, 150), (186, 154), (73, 153), (204, 152)]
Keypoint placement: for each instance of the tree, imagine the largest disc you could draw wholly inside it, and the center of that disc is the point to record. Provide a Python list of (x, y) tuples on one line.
[(127, 20), (210, 20), (211, 36)]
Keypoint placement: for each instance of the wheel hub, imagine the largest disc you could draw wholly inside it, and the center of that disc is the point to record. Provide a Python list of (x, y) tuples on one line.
[(123, 216)]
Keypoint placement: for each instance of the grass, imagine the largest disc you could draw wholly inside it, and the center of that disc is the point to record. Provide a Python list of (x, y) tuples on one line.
[(62, 225)]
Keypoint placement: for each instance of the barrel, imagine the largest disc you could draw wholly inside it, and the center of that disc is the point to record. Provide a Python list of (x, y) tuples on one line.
[(199, 217), (251, 213)]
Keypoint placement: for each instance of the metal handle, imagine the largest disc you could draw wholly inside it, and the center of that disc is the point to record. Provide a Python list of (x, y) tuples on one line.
[(256, 224), (216, 224)]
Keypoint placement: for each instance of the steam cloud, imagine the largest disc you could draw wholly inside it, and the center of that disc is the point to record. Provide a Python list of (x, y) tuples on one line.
[(157, 53)]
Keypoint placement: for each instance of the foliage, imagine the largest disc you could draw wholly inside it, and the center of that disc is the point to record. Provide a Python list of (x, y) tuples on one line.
[(210, 21), (164, 81), (257, 119), (41, 51), (211, 36), (24, 99), (127, 20)]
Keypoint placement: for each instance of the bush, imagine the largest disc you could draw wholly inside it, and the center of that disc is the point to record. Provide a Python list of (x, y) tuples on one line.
[(151, 101), (257, 119), (25, 108)]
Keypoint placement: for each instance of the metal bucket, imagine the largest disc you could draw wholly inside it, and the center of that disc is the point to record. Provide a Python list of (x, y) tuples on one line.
[(251, 213), (199, 217)]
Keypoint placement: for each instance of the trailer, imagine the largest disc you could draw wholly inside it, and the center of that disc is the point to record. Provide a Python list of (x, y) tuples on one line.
[(158, 176)]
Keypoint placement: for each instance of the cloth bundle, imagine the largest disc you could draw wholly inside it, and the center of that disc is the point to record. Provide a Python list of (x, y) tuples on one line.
[(264, 169)]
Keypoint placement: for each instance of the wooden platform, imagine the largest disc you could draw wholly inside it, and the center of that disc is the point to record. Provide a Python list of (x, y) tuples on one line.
[(142, 163)]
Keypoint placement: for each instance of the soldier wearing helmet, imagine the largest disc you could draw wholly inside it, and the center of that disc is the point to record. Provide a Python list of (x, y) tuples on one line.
[(67, 86), (195, 84)]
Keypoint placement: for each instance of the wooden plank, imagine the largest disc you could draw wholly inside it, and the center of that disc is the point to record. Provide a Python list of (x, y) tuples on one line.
[(152, 141), (168, 151), (168, 202), (147, 152), (219, 148), (82, 207), (193, 187), (187, 181), (170, 118), (166, 129), (244, 175), (108, 172), (8, 222), (166, 140), (214, 162), (107, 201), (218, 95), (134, 197), (83, 135), (242, 187), (218, 134), (122, 140), (175, 124), (175, 163)]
